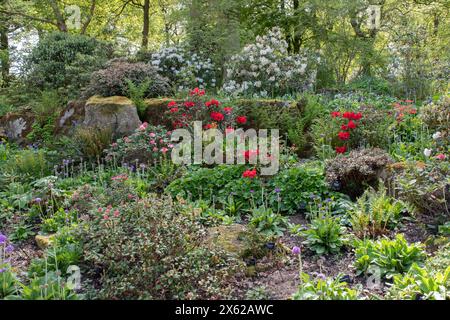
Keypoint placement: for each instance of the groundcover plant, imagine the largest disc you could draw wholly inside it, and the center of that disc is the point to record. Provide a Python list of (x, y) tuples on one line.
[(229, 149)]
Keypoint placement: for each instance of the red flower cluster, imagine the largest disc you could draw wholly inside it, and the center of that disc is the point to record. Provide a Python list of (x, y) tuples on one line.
[(249, 174), (197, 92), (241, 120), (212, 102), (402, 108), (210, 112), (344, 134), (217, 116)]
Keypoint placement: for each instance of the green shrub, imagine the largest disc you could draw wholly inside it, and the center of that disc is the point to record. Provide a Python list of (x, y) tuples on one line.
[(324, 289), (296, 186), (148, 250), (114, 80), (390, 256), (64, 60)]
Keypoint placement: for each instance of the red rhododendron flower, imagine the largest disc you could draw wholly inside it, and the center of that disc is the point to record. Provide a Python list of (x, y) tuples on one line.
[(344, 127), (342, 149), (209, 126), (250, 154), (351, 125), (212, 102), (412, 111), (441, 156), (173, 110), (228, 110), (189, 104), (241, 119), (217, 116), (357, 116), (249, 174), (197, 92), (335, 114), (344, 135), (172, 104)]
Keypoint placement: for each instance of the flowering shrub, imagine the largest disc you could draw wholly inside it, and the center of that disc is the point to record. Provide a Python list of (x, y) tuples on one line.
[(113, 80), (146, 146), (266, 69), (211, 112), (352, 173), (185, 70), (350, 122), (144, 251)]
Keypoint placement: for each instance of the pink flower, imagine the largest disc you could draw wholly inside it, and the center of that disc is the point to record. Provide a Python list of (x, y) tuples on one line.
[(164, 150), (143, 126), (155, 149), (105, 217), (441, 156), (152, 134), (116, 213), (152, 142), (100, 209)]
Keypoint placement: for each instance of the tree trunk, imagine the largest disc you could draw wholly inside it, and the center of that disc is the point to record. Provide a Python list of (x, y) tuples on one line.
[(4, 46), (60, 22), (146, 27)]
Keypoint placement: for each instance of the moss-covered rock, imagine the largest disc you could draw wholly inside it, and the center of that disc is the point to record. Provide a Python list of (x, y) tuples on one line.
[(116, 113)]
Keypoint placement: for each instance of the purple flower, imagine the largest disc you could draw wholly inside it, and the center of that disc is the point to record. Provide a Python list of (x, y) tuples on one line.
[(3, 238), (9, 248), (37, 200), (252, 191), (277, 190), (321, 276), (2, 270), (296, 251)]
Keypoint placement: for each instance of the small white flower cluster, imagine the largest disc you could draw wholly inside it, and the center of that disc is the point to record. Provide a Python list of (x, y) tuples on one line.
[(265, 68), (185, 70)]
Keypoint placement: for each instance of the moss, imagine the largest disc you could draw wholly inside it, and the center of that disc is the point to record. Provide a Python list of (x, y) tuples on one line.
[(227, 238)]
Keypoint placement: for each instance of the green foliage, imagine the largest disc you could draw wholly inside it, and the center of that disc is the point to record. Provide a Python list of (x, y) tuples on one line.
[(91, 142), (420, 284), (390, 256), (51, 286), (136, 92), (56, 258), (324, 289), (64, 60), (325, 235), (375, 213), (267, 222)]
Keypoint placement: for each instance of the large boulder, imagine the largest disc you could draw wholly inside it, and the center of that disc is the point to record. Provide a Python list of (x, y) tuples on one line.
[(116, 113), (70, 117), (16, 126)]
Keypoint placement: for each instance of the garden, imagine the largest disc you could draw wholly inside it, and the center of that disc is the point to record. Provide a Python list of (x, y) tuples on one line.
[(97, 98)]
